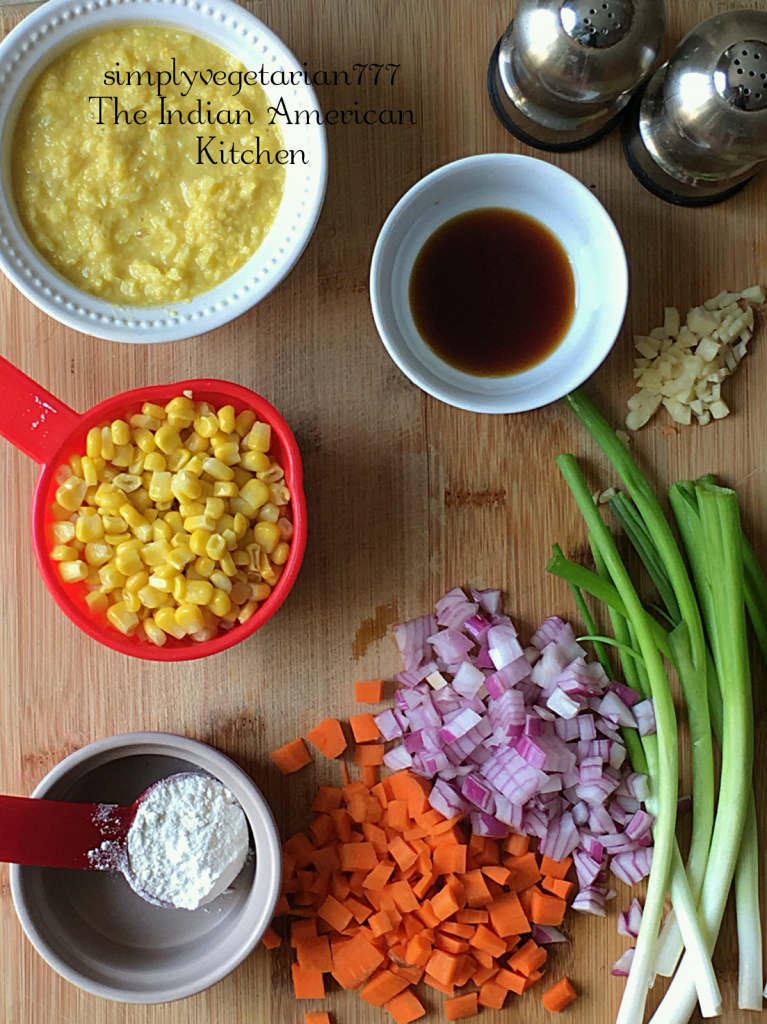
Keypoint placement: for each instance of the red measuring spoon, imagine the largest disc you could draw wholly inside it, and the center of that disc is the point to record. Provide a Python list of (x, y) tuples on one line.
[(46, 429)]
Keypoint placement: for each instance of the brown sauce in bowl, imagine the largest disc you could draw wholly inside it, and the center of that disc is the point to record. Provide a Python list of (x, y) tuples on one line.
[(492, 292)]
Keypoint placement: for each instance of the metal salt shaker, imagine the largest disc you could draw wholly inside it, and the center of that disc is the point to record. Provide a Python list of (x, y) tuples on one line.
[(563, 71), (699, 132)]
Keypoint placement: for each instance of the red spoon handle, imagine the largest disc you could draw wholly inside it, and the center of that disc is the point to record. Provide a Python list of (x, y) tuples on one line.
[(57, 833), (31, 418)]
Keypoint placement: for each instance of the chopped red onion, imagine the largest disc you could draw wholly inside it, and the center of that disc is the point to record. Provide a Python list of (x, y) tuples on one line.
[(489, 600), (632, 867), (622, 965), (545, 933), (644, 712), (615, 711), (388, 725)]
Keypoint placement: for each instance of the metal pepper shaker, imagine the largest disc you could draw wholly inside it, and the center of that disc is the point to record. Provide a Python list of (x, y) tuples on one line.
[(698, 134), (564, 70)]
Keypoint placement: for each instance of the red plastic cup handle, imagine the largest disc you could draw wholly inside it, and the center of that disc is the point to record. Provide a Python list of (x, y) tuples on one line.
[(31, 418)]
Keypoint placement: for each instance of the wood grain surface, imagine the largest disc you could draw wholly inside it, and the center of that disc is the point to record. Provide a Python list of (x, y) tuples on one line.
[(407, 497)]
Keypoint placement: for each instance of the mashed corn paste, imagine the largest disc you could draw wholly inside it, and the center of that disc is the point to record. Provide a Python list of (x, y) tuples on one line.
[(142, 213)]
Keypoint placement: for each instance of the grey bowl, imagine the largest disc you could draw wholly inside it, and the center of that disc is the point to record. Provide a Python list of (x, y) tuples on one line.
[(96, 932)]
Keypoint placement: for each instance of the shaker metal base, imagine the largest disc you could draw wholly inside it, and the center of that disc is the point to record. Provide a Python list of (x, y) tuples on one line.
[(532, 133), (656, 180)]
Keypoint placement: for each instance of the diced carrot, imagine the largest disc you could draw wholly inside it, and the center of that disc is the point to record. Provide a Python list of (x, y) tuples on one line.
[(358, 857), (507, 916), (314, 954), (369, 691), (327, 860), (463, 931), (412, 974), (403, 897), (477, 892), (379, 876), (419, 949), (440, 986), (461, 1006), (449, 858), (328, 798), (381, 794), (547, 909), (328, 737), (343, 824), (368, 754), (558, 886), (559, 996), (364, 728), (488, 941), (472, 917), (483, 973), (403, 853), (450, 943), (442, 966), (370, 775), (497, 873), (356, 961), (524, 871), (555, 868), (300, 848), (323, 1017), (302, 930), (463, 972), (533, 978), (307, 984), (427, 915), (398, 815), (359, 911), (528, 959), (492, 995), (292, 756), (516, 845), (271, 939), (526, 902), (405, 1007), (444, 904), (382, 987), (335, 914), (322, 828), (412, 789), (380, 923), (511, 981)]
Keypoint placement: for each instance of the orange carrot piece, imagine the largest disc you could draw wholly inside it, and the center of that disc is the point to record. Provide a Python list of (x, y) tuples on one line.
[(483, 973), (314, 954), (492, 995), (358, 857), (497, 873), (301, 850), (524, 872), (529, 958), (364, 728), (558, 886), (379, 876), (328, 798), (271, 939), (370, 775), (382, 987), (427, 915), (556, 868), (511, 981), (418, 951), (442, 966), (444, 904), (322, 829), (477, 892), (323, 1017), (307, 984), (461, 1006), (335, 914), (302, 930), (405, 1007), (368, 755), (559, 996), (472, 917), (403, 897), (283, 907), (507, 916), (463, 931), (463, 972), (356, 961), (328, 737), (412, 789), (449, 858), (516, 845), (398, 815), (488, 941), (532, 979), (369, 692), (403, 853), (450, 943), (292, 756), (547, 909), (380, 923), (440, 986)]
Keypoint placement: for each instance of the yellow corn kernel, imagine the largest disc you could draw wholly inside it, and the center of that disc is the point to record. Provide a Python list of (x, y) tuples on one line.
[(136, 467), (279, 493), (150, 598), (206, 489), (272, 474), (244, 422), (246, 611), (267, 536), (123, 456), (191, 508), (190, 617), (225, 489), (174, 521), (107, 444), (127, 482), (63, 532), (167, 438), (192, 523), (179, 589), (156, 553), (221, 581), (131, 600), (216, 546), (111, 577), (280, 553), (240, 526), (255, 462), (141, 499), (220, 603), (147, 422), (215, 507), (259, 438), (159, 487), (228, 453), (97, 602), (107, 474), (143, 533), (75, 465), (97, 553), (137, 581), (241, 558), (217, 469), (178, 458), (231, 539), (241, 506), (71, 493), (204, 566), (197, 444), (194, 466), (165, 618), (226, 418), (198, 591), (151, 409), (93, 442), (227, 564), (241, 476), (186, 486), (113, 524), (165, 572), (180, 557), (154, 462), (180, 413), (145, 440), (265, 567), (154, 634), (90, 473), (122, 618), (64, 553), (206, 426), (260, 591), (109, 498), (129, 562), (240, 593), (255, 492), (180, 539), (268, 513), (131, 515), (59, 513), (74, 571), (120, 432), (115, 539), (198, 542)]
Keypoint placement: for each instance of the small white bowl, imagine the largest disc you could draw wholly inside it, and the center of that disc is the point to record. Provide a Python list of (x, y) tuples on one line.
[(93, 929), (569, 211), (53, 28)]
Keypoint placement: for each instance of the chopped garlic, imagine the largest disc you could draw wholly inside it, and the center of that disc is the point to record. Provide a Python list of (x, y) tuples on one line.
[(682, 365)]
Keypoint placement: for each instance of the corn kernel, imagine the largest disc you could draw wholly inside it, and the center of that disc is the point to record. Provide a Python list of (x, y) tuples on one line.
[(97, 602), (267, 536), (137, 581), (265, 567), (256, 493), (144, 533), (231, 540), (127, 482), (204, 566), (123, 456), (191, 508), (255, 462), (227, 564), (179, 589), (154, 462), (150, 598), (64, 553), (144, 439), (217, 469), (167, 438), (73, 571), (161, 530), (97, 553), (153, 632), (280, 553), (225, 489), (156, 552), (180, 557), (246, 611), (141, 499), (221, 581), (165, 572), (240, 593), (220, 603), (174, 521), (71, 493), (75, 465), (107, 444), (89, 471), (215, 508), (206, 489), (120, 432), (160, 488), (190, 617), (131, 515), (129, 562), (136, 467), (268, 513), (93, 442), (63, 532), (113, 524), (244, 422), (228, 453), (122, 618), (260, 591), (131, 600), (147, 422), (185, 486), (111, 577), (260, 437), (194, 466), (241, 558), (216, 546), (279, 493), (198, 592), (198, 542), (197, 444), (178, 458), (115, 539), (206, 426), (272, 474)]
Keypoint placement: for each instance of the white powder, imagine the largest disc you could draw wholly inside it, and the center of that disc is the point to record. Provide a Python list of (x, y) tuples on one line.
[(188, 841)]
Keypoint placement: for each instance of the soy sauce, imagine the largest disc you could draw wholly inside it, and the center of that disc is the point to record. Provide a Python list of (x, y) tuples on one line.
[(492, 292)]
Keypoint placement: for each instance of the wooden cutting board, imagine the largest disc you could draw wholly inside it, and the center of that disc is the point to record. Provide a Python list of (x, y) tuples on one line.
[(407, 497)]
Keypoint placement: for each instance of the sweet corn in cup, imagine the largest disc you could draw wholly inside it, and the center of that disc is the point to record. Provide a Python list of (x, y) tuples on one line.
[(176, 520)]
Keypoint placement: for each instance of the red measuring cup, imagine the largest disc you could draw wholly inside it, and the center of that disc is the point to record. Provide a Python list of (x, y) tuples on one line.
[(46, 429)]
